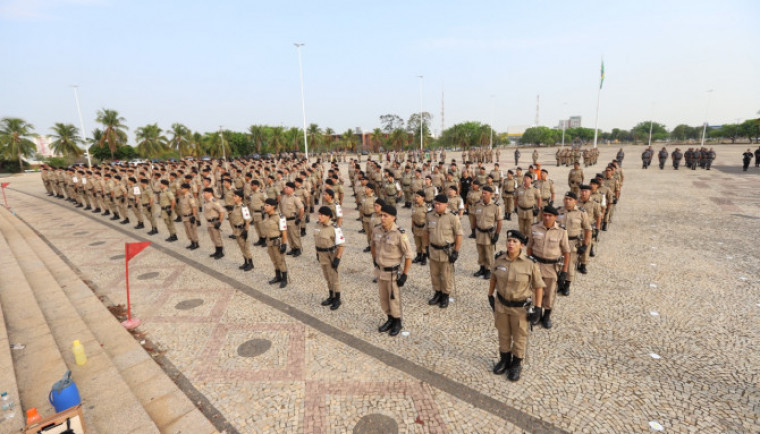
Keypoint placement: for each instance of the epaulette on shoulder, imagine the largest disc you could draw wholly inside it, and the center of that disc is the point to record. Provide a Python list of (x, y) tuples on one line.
[(532, 258), (500, 253), (402, 230)]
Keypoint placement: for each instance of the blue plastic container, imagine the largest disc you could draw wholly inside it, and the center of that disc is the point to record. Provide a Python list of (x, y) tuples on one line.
[(64, 394)]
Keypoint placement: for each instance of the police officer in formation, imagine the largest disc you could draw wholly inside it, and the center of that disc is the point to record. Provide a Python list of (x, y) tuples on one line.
[(443, 236)]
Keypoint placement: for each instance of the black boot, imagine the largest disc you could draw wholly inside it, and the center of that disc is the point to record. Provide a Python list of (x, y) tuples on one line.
[(194, 246), (296, 253), (582, 269), (480, 271), (172, 238), (233, 237), (153, 231), (336, 302), (423, 260), (604, 226), (219, 253), (125, 221), (245, 263), (486, 274), (362, 231), (248, 266), (417, 258), (546, 321), (472, 235), (592, 253), (504, 363), (284, 281), (386, 325), (444, 302), (96, 210), (276, 278), (509, 216), (140, 225), (115, 216), (563, 288), (303, 232), (216, 252), (328, 301), (436, 298), (108, 212), (190, 247), (87, 208), (367, 249), (514, 369), (396, 327), (178, 219)]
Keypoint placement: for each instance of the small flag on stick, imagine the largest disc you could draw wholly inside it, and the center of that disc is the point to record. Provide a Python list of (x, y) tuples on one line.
[(130, 250)]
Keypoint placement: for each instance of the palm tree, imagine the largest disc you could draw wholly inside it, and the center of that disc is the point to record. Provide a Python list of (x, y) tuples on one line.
[(397, 139), (376, 139), (114, 133), (293, 138), (14, 139), (349, 139), (329, 138), (314, 136), (277, 138), (180, 139), (257, 133), (217, 145), (150, 141), (67, 140), (196, 144)]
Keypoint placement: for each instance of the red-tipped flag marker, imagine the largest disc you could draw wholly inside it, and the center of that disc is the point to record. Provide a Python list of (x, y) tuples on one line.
[(130, 250), (3, 185)]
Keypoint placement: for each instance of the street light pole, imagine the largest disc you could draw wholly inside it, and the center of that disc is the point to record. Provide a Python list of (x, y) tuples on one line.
[(704, 126), (651, 124), (490, 141), (81, 123), (422, 82), (303, 99)]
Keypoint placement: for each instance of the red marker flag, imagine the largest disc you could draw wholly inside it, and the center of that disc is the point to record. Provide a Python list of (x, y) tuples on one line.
[(133, 249), (5, 184)]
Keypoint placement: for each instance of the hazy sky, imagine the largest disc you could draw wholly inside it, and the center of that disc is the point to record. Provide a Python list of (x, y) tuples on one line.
[(233, 63)]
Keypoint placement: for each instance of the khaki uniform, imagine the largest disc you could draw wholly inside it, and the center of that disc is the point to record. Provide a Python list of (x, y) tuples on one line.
[(327, 238), (527, 198), (290, 207), (212, 211), (391, 249), (418, 226), (406, 186), (548, 246), (187, 207), (256, 206), (508, 188), (145, 202), (367, 210), (515, 283), (119, 193), (473, 197), (165, 198), (487, 216), (442, 231), (614, 186), (594, 211), (574, 180), (575, 222), (239, 225), (271, 228)]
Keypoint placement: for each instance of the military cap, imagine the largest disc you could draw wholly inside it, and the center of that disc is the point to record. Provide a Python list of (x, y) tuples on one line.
[(330, 192), (548, 209), (271, 201), (441, 198), (488, 189), (572, 195), (513, 233), (324, 210), (389, 209)]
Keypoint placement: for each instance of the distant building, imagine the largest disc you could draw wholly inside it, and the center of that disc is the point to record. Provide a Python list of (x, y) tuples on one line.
[(43, 146), (575, 122), (563, 124)]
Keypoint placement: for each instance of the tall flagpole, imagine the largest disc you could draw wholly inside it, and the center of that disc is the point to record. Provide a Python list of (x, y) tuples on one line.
[(598, 95)]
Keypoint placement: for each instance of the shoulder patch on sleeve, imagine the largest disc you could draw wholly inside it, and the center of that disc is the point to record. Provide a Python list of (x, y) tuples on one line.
[(500, 253)]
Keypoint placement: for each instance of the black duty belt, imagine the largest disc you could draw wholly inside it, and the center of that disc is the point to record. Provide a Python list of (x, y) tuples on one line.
[(435, 246), (367, 215), (166, 208), (484, 230), (419, 226), (574, 238), (239, 226), (393, 268), (515, 303), (229, 207), (290, 219), (187, 215), (546, 261), (524, 208), (273, 238), (326, 249), (214, 220)]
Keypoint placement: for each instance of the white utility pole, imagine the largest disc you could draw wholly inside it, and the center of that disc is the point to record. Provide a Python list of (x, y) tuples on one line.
[(303, 99), (81, 123)]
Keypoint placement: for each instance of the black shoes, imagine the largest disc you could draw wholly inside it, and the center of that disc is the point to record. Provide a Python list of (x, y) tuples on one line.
[(480, 271), (336, 302), (277, 278), (172, 238), (329, 300), (546, 321), (486, 274), (505, 362), (386, 325), (125, 221), (423, 260), (515, 369), (247, 265), (303, 232), (218, 253), (444, 302), (417, 258), (194, 245), (284, 280), (367, 249), (436, 298), (582, 269), (140, 225), (153, 231), (233, 237), (396, 327)]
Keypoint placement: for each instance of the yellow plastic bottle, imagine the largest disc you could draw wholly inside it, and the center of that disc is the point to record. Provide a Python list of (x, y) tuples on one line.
[(79, 355)]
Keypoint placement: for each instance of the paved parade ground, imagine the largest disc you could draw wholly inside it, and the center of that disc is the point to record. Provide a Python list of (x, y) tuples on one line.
[(662, 331)]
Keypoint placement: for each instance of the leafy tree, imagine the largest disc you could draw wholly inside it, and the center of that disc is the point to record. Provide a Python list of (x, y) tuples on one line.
[(14, 139), (376, 139), (257, 134), (413, 126), (466, 135), (399, 139), (294, 139), (277, 139), (216, 145), (124, 152), (66, 141), (113, 132), (180, 139), (150, 141), (349, 139), (580, 134), (329, 138), (641, 131), (685, 132), (541, 135), (391, 122), (196, 144), (750, 129)]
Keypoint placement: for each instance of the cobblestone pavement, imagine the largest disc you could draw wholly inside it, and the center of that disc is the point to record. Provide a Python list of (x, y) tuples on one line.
[(663, 329)]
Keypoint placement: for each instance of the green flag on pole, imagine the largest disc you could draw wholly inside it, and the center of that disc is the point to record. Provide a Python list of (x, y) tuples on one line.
[(601, 82)]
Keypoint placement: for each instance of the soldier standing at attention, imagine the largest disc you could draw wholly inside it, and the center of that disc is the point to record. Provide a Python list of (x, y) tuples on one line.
[(329, 243), (133, 194), (508, 188), (663, 157), (594, 211), (575, 178), (367, 209), (746, 159), (535, 156), (292, 208), (516, 280), (430, 190), (147, 198), (188, 211), (676, 156), (419, 211), (473, 197), (528, 200), (517, 157), (546, 187), (167, 202), (549, 246), (392, 256), (256, 206), (118, 193), (577, 223), (328, 199), (240, 220), (214, 213), (275, 228), (620, 155), (488, 227), (443, 235)]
